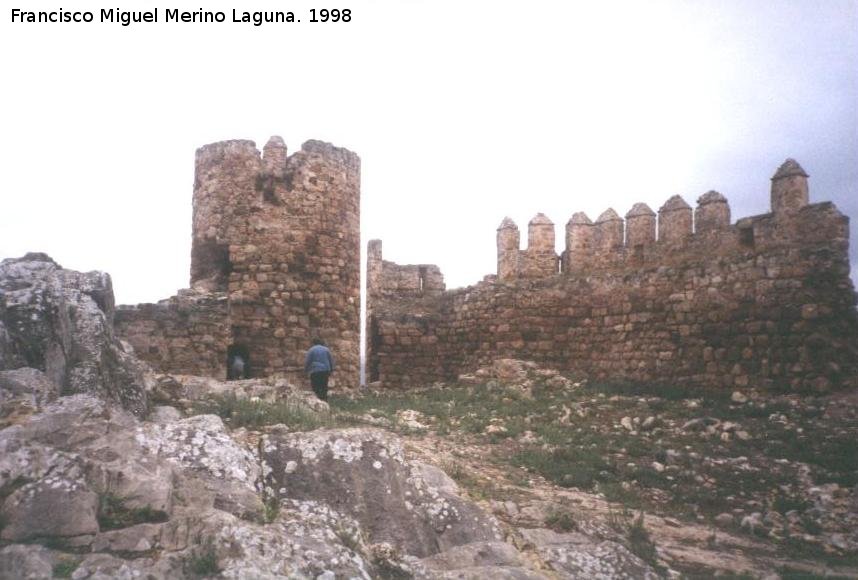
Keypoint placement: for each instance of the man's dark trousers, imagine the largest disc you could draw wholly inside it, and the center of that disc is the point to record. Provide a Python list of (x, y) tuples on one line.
[(319, 382)]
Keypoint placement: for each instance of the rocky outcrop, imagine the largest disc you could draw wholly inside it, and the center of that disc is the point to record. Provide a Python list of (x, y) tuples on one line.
[(87, 485), (94, 486), (61, 322), (363, 473), (182, 391)]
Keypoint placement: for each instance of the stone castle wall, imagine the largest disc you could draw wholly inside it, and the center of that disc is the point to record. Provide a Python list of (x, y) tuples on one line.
[(187, 334), (277, 236), (405, 285), (765, 302)]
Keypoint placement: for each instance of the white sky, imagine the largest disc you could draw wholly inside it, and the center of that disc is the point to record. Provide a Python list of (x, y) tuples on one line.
[(462, 112)]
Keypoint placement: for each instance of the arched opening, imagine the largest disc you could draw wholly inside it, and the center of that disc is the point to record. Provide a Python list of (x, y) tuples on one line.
[(237, 362)]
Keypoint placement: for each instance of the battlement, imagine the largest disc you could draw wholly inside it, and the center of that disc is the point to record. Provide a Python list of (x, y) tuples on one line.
[(675, 295), (676, 234)]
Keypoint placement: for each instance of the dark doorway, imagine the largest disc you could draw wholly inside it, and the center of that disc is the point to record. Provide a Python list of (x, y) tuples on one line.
[(237, 362)]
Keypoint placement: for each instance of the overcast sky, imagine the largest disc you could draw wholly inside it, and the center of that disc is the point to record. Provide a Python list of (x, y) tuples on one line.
[(462, 112)]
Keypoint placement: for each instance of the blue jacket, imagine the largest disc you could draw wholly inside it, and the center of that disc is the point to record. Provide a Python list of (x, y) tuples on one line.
[(319, 359)]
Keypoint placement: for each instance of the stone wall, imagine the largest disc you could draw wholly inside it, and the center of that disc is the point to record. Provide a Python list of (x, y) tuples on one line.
[(766, 302), (185, 334), (279, 236), (389, 283)]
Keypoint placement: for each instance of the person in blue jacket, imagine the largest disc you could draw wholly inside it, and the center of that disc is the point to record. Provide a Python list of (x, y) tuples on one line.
[(319, 364)]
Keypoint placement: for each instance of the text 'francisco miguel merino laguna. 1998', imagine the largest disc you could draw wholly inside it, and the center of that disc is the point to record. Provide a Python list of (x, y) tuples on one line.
[(128, 17)]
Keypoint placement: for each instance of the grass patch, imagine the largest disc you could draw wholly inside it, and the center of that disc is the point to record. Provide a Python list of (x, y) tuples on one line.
[(114, 515), (65, 568), (575, 438), (567, 467), (204, 563), (272, 509), (240, 412), (634, 530), (477, 487), (561, 521)]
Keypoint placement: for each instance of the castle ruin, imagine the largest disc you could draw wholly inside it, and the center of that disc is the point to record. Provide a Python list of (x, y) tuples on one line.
[(682, 295), (275, 261)]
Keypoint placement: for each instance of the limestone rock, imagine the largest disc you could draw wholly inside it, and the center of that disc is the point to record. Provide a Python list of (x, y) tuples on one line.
[(477, 560), (574, 555), (363, 473), (201, 445), (56, 506), (61, 322), (26, 562)]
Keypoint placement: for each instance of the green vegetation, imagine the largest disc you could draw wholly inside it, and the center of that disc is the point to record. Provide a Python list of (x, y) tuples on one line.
[(65, 568), (561, 521), (113, 514), (574, 438), (672, 450), (255, 413), (634, 530), (272, 509), (205, 562)]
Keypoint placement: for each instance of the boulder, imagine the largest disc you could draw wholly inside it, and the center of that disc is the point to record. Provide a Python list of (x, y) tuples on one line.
[(201, 446), (61, 323), (363, 473)]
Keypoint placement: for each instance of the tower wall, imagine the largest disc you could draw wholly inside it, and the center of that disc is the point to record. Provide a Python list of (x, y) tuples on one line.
[(277, 238)]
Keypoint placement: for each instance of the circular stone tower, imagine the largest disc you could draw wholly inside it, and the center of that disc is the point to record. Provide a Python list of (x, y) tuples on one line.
[(280, 235)]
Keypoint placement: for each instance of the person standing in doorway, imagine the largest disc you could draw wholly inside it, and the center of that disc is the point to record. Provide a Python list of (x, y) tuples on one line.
[(319, 364)]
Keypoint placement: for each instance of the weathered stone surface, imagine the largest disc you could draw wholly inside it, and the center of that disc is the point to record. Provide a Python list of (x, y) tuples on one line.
[(274, 262), (55, 506), (26, 562), (363, 473), (187, 333), (202, 446), (61, 322), (23, 391), (27, 383), (80, 446), (475, 561), (574, 555), (184, 389), (164, 414)]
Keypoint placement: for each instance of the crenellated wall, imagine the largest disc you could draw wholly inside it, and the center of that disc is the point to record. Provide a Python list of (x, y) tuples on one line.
[(278, 236), (766, 302)]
